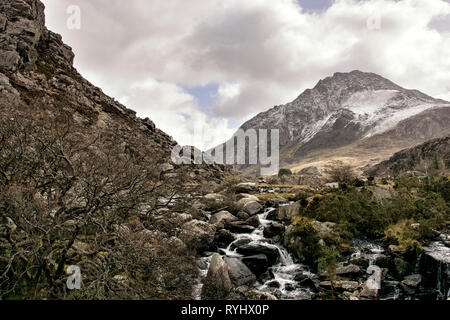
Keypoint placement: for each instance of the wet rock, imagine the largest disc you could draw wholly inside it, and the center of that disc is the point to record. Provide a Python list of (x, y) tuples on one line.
[(239, 227), (253, 221), (240, 242), (289, 287), (368, 294), (273, 229), (411, 283), (390, 290), (304, 281), (217, 284), (273, 284), (266, 276), (251, 249), (257, 263), (223, 238), (239, 273), (222, 216), (434, 266)]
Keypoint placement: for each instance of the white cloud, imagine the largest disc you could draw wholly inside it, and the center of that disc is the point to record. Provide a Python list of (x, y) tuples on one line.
[(260, 52)]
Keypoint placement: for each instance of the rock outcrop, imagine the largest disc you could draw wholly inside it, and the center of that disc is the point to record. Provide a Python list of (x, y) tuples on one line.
[(217, 284)]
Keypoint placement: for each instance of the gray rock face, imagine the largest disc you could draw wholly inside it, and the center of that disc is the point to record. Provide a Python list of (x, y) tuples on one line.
[(217, 284), (239, 273), (22, 24)]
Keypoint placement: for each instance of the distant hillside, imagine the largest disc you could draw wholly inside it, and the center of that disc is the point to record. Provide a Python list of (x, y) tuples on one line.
[(428, 158)]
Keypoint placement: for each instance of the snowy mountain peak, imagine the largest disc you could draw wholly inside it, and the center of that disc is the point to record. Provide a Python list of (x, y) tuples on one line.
[(349, 107)]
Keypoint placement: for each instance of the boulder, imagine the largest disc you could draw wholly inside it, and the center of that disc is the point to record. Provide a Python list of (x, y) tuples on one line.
[(276, 201), (245, 187), (223, 238), (368, 294), (251, 249), (253, 221), (411, 283), (348, 271), (239, 273), (273, 229), (286, 213), (273, 284), (249, 197), (198, 235), (240, 242), (305, 281), (222, 216), (242, 215), (252, 208), (257, 263), (217, 284), (239, 227)]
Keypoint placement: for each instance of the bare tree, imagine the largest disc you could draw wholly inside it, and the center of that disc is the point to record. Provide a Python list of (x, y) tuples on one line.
[(342, 173), (70, 198)]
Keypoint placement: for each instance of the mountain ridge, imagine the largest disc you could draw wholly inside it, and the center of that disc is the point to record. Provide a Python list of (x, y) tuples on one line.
[(345, 108)]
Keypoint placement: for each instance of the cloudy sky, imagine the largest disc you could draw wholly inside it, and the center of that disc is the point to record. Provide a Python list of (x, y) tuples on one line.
[(208, 65)]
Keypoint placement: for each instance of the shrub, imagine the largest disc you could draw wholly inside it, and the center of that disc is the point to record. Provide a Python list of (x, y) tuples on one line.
[(284, 172), (342, 174)]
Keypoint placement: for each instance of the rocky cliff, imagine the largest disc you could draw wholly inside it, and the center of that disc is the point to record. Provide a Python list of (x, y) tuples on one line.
[(84, 182)]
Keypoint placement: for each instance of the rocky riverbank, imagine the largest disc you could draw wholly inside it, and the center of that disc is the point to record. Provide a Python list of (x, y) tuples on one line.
[(258, 252)]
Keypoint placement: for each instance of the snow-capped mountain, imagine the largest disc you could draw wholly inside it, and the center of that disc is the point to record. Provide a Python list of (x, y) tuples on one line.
[(353, 108)]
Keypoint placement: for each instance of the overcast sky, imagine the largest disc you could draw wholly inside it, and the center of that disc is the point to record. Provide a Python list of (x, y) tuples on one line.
[(212, 64)]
